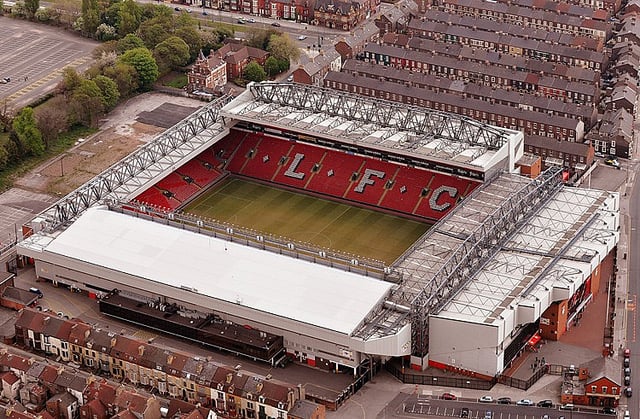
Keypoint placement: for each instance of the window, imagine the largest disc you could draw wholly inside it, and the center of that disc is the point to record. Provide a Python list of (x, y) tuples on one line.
[(605, 389)]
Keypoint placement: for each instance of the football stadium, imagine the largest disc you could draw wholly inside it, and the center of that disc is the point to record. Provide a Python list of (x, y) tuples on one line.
[(295, 222)]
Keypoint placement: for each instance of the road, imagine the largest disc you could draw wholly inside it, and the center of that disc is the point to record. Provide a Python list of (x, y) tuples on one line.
[(633, 291)]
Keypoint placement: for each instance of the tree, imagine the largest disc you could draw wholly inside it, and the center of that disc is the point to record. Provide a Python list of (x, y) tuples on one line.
[(171, 53), (86, 103), (193, 38), (69, 11), (70, 81), (152, 32), (31, 7), (254, 72), (144, 64), (282, 47), (125, 77), (106, 32), (109, 90), (130, 41), (4, 157), (27, 132), (90, 17), (271, 66), (128, 17), (52, 119)]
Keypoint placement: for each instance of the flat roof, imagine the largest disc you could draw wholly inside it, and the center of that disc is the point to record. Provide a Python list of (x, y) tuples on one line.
[(306, 292)]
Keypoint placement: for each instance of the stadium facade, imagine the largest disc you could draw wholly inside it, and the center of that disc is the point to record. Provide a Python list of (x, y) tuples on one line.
[(509, 258)]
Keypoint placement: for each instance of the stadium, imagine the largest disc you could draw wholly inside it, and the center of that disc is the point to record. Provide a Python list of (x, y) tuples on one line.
[(334, 229)]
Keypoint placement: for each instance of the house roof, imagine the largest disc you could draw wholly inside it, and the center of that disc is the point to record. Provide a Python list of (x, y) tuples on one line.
[(9, 377), (603, 367), (20, 296), (304, 409), (570, 147), (64, 398)]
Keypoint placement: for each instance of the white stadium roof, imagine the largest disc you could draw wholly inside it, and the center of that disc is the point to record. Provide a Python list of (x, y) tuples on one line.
[(224, 270)]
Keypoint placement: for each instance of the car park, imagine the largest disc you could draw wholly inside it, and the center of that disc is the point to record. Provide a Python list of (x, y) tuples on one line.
[(486, 399), (545, 403), (524, 402), (628, 392), (448, 396), (567, 406), (504, 400)]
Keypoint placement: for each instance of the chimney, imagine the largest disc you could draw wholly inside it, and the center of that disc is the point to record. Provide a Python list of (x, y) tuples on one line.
[(141, 350), (114, 340), (87, 333), (169, 359)]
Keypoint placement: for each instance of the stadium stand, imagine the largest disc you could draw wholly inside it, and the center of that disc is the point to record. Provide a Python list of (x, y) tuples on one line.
[(246, 150), (179, 186), (336, 173), (406, 191), (267, 157), (155, 197), (310, 165), (375, 178), (441, 194), (197, 170)]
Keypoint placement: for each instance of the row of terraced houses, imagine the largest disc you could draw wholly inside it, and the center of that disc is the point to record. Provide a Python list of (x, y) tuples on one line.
[(230, 392)]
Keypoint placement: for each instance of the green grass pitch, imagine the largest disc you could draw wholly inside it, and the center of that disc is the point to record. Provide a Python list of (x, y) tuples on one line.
[(305, 218)]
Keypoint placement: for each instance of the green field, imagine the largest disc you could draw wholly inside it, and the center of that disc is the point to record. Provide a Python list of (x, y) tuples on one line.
[(304, 218)]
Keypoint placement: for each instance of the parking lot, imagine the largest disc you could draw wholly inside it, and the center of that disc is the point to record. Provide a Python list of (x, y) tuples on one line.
[(32, 57)]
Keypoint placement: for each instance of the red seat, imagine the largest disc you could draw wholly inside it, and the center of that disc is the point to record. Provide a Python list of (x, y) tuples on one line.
[(197, 171), (154, 197), (334, 176), (242, 154), (312, 155), (440, 198), (267, 155), (407, 186), (369, 187), (181, 189)]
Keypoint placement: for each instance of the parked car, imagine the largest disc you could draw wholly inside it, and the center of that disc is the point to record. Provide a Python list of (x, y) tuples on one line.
[(240, 21), (464, 413), (627, 380), (504, 400), (5, 80), (567, 406), (276, 24), (486, 399), (627, 415), (177, 9), (612, 161), (36, 291), (628, 392), (488, 414), (627, 371), (626, 362), (545, 403), (302, 38), (609, 411), (448, 396), (525, 402), (627, 352)]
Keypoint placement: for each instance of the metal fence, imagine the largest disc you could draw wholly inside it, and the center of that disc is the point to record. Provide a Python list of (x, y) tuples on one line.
[(409, 376)]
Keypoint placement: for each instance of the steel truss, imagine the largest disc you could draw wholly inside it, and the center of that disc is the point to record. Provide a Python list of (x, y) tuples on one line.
[(445, 259), (130, 174), (352, 111)]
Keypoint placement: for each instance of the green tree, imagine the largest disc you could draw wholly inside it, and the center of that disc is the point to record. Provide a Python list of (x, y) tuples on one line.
[(144, 64), (254, 72), (130, 41), (27, 132), (281, 46), (193, 38), (90, 17), (86, 103), (125, 77), (129, 17), (4, 157), (171, 54), (70, 81), (152, 32), (272, 66), (109, 90), (31, 7)]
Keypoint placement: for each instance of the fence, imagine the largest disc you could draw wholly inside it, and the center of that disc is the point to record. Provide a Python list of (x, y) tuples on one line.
[(408, 376)]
